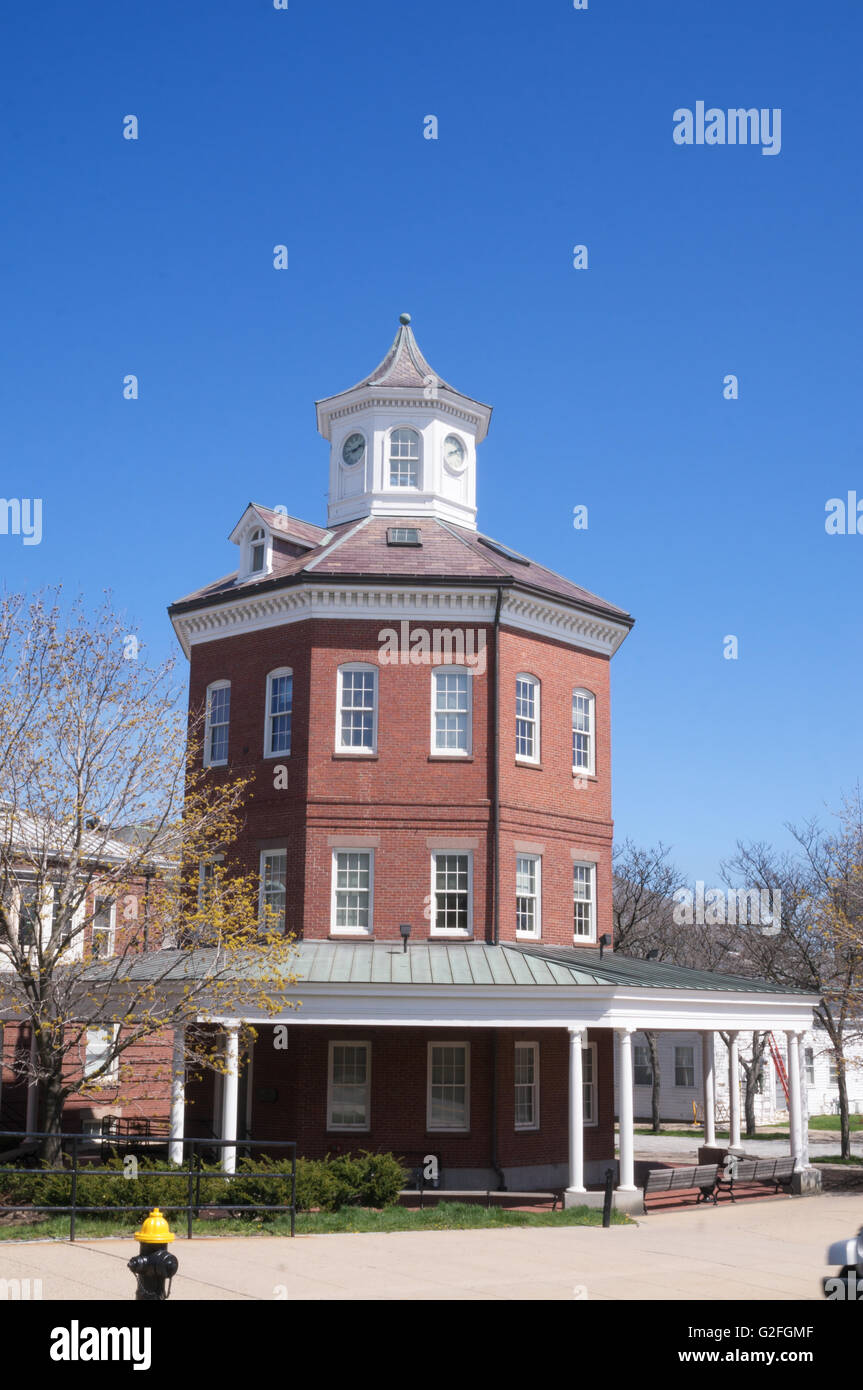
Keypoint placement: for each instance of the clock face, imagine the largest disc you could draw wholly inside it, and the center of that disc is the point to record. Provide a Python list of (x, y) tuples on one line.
[(353, 448), (453, 453)]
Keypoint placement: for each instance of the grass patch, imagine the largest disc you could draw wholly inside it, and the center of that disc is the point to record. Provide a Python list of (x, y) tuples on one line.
[(832, 1123), (448, 1216), (837, 1158)]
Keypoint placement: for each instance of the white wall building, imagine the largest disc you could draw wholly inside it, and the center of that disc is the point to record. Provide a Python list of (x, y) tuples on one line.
[(681, 1083)]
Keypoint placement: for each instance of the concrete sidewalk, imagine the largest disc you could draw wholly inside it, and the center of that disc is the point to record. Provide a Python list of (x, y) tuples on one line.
[(771, 1249)]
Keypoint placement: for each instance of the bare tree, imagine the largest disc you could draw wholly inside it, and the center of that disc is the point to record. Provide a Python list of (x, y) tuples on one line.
[(92, 740)]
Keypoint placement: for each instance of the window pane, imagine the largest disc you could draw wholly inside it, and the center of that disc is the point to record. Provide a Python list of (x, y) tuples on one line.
[(451, 892), (219, 711), (275, 894), (404, 458), (582, 731), (582, 900), (526, 900), (449, 1087), (525, 1085), (353, 882), (525, 719), (349, 1086), (279, 713), (451, 710), (357, 712)]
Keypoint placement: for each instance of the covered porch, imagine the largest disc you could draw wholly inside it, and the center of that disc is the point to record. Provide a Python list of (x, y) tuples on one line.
[(487, 1010)]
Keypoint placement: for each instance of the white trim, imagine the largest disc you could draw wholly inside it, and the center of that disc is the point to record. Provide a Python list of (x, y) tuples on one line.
[(534, 1124), (111, 929), (457, 670), (355, 750), (391, 602), (537, 934), (269, 752), (208, 761), (109, 1077), (367, 1047), (352, 931), (448, 1129), (536, 756), (403, 488), (451, 933)]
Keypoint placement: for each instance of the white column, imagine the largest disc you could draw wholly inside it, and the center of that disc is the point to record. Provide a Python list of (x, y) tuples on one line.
[(804, 1105), (576, 1112), (707, 1067), (625, 1106), (178, 1096), (32, 1113), (733, 1092), (794, 1095), (230, 1091)]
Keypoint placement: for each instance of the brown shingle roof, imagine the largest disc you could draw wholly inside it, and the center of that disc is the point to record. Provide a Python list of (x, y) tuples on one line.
[(359, 549)]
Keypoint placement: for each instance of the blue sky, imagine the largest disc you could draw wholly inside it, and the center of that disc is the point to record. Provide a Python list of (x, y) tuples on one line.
[(305, 127)]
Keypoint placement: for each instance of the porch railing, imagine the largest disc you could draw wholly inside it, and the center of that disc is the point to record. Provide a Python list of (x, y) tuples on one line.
[(192, 1171)]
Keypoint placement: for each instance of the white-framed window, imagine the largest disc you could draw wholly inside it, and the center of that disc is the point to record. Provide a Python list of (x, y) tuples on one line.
[(353, 892), (448, 1086), (527, 1085), (684, 1066), (98, 1045), (642, 1071), (528, 895), (349, 1085), (207, 877), (584, 902), (527, 690), (277, 720), (357, 709), (809, 1064), (404, 459), (589, 1084), (273, 893), (218, 719), (29, 916), (452, 702), (452, 893), (104, 920), (258, 551), (833, 1075), (583, 732)]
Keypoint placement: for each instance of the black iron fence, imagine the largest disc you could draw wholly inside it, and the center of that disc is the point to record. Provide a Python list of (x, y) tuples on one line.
[(192, 1171)]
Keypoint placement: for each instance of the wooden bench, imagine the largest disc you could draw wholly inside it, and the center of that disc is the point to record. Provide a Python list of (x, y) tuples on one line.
[(704, 1176), (744, 1171)]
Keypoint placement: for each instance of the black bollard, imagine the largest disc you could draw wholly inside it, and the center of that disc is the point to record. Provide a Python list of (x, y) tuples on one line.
[(606, 1205)]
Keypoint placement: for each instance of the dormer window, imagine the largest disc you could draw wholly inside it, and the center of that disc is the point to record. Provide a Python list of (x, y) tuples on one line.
[(257, 552), (404, 458)]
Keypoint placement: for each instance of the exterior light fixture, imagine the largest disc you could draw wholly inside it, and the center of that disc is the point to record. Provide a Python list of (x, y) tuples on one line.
[(604, 940), (405, 930)]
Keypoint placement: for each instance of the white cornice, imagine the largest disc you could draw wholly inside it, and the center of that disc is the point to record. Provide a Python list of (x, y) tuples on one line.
[(381, 603)]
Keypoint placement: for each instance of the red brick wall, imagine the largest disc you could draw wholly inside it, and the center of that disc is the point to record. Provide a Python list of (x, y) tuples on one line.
[(399, 1060), (404, 795)]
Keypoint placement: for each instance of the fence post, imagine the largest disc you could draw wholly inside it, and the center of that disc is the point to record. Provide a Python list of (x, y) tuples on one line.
[(189, 1193), (74, 1184), (293, 1189)]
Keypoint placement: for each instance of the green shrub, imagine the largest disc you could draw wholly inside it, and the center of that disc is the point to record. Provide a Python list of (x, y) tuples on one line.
[(364, 1179)]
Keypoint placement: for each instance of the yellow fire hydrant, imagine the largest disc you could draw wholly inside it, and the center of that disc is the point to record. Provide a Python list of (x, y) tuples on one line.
[(155, 1266)]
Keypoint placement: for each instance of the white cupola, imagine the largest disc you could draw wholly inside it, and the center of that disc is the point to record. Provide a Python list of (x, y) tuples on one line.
[(403, 441)]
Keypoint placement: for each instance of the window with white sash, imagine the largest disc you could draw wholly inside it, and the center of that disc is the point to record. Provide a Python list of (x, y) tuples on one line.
[(353, 884), (583, 734), (357, 714), (584, 902), (274, 868), (527, 1085), (527, 719), (452, 893), (216, 724), (449, 1086), (528, 869), (452, 697), (349, 1085), (280, 703)]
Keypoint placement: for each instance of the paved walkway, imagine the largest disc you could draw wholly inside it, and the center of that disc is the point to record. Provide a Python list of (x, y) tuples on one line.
[(772, 1249), (665, 1147)]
